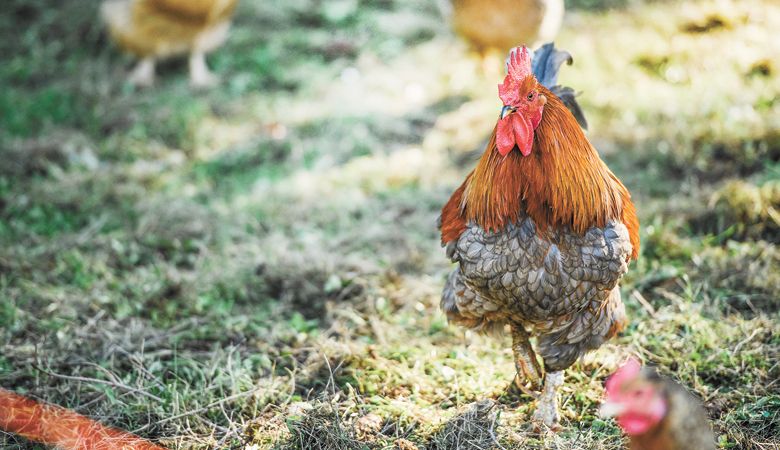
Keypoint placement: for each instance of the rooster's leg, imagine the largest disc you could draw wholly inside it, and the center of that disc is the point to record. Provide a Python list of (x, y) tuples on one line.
[(200, 76), (526, 364), (547, 407), (143, 73)]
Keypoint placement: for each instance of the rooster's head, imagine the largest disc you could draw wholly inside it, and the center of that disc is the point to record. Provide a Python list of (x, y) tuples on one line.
[(523, 104)]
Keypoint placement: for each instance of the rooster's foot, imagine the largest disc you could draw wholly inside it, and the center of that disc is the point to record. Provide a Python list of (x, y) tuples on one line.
[(200, 76), (546, 415), (520, 384), (526, 364), (143, 73), (205, 80)]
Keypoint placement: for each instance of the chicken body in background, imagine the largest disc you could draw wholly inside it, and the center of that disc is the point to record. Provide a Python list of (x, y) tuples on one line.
[(656, 412), (158, 29), (542, 232), (493, 27)]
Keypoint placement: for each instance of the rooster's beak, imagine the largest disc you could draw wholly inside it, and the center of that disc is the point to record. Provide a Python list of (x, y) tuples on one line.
[(611, 409), (506, 110)]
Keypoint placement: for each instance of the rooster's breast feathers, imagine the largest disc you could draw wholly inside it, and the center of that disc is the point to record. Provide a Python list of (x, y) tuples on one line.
[(554, 273)]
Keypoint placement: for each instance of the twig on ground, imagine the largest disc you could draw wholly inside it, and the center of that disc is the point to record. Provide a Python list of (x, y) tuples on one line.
[(99, 381)]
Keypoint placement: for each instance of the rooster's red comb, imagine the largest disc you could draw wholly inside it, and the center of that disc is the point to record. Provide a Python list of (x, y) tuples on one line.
[(518, 68), (518, 65), (627, 371)]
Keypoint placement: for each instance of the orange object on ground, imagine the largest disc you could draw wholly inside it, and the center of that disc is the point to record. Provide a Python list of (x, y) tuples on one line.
[(60, 427)]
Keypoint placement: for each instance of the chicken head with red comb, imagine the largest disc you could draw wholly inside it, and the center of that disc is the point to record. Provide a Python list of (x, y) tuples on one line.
[(656, 412), (636, 404), (523, 105)]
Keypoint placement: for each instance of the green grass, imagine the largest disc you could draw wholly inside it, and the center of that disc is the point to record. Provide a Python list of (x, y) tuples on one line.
[(257, 266)]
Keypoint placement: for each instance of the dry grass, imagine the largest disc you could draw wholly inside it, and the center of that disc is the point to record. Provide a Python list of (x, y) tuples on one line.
[(472, 430)]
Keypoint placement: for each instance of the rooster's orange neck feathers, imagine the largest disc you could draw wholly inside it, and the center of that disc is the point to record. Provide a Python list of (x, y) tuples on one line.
[(563, 182)]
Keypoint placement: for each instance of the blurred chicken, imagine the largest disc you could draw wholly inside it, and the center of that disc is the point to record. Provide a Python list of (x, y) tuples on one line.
[(158, 29), (493, 27), (62, 428), (655, 412)]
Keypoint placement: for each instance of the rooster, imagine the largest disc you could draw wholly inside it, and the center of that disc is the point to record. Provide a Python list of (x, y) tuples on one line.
[(542, 232), (495, 26), (157, 29), (655, 412)]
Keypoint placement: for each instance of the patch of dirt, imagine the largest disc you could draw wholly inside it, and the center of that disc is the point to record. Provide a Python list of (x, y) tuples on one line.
[(37, 156), (763, 68), (743, 211), (711, 22), (178, 230), (745, 274), (306, 289)]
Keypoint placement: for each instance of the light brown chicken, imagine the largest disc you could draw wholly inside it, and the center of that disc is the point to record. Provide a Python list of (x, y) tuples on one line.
[(493, 27), (158, 29)]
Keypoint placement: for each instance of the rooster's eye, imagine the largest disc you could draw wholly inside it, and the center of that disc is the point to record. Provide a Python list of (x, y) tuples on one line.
[(530, 96)]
